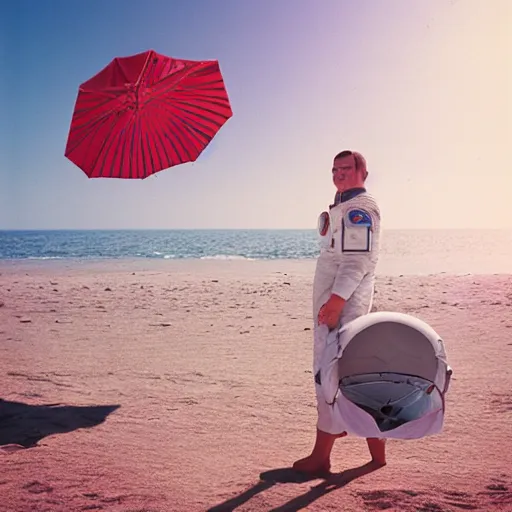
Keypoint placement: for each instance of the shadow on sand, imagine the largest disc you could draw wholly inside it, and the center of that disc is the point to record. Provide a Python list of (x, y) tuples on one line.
[(25, 425), (288, 475)]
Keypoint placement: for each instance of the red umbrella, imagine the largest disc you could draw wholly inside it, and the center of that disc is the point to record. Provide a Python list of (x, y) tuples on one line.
[(145, 113)]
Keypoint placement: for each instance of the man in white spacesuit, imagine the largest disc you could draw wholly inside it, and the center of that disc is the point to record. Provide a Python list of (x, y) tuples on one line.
[(343, 288)]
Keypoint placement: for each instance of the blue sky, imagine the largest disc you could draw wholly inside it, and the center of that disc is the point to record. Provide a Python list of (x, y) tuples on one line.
[(422, 89)]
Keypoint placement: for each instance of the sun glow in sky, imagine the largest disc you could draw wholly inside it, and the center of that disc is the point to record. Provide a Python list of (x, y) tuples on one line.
[(422, 89)]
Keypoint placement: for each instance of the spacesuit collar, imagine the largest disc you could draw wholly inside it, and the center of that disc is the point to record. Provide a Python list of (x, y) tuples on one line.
[(341, 197)]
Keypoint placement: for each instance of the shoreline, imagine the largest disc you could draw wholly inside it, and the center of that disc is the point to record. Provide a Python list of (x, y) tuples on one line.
[(299, 266)]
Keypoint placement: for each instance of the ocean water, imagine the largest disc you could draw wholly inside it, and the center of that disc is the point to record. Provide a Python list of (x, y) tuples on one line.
[(403, 251)]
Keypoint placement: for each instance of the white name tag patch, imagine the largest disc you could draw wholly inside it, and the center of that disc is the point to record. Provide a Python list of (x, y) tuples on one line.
[(356, 231)]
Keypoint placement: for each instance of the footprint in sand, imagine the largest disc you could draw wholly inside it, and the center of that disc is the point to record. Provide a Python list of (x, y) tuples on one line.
[(36, 487), (499, 493), (502, 402), (461, 500), (384, 500)]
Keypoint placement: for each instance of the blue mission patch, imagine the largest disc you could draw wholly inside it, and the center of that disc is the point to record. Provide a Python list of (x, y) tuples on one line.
[(359, 217)]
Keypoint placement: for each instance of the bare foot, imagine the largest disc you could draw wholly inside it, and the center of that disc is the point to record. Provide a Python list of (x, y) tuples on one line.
[(377, 449), (318, 463), (313, 465)]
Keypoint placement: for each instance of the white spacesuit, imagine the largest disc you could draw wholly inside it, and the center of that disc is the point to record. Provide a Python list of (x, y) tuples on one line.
[(350, 241)]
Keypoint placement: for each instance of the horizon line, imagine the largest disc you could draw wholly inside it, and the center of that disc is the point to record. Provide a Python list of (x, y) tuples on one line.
[(509, 228)]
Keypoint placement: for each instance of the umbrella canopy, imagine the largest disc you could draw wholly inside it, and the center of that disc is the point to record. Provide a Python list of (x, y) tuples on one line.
[(145, 113)]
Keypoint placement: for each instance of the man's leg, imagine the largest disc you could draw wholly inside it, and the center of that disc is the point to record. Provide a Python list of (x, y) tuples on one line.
[(319, 462), (377, 449)]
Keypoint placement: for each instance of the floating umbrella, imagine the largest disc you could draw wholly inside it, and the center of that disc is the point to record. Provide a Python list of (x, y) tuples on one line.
[(145, 113)]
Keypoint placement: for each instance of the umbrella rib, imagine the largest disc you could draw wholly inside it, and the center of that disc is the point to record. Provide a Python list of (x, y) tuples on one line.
[(102, 153), (121, 162), (189, 116), (179, 86), (198, 99), (92, 126), (180, 104), (119, 67), (134, 160), (192, 131), (172, 133), (175, 75), (87, 135), (158, 135), (150, 153), (178, 134), (167, 134), (95, 106), (141, 148), (128, 137), (179, 112), (190, 134), (92, 138), (148, 131)]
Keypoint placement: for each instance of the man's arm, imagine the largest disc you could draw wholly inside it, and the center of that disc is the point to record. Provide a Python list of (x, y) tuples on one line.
[(359, 226)]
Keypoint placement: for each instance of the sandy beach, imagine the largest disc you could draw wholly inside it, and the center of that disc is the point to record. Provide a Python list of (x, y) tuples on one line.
[(177, 386)]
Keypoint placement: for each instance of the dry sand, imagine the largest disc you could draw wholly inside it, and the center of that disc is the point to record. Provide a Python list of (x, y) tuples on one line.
[(186, 386)]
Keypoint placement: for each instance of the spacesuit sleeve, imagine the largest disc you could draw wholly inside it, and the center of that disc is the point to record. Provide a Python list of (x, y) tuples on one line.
[(359, 227)]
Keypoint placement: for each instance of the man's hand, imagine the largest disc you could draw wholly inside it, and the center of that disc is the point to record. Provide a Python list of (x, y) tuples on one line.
[(330, 312)]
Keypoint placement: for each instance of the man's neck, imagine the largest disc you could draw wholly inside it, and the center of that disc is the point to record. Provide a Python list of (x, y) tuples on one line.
[(350, 193)]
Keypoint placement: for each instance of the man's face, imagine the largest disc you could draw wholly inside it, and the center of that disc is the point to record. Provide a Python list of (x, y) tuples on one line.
[(344, 174)]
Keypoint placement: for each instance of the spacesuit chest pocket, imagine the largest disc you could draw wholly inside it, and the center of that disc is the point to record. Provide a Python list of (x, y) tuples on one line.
[(356, 231)]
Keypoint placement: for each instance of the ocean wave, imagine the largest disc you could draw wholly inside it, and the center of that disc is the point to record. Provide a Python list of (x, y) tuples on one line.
[(227, 257), (45, 258)]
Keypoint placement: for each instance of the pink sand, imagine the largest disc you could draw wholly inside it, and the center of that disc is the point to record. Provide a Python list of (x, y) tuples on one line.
[(210, 365)]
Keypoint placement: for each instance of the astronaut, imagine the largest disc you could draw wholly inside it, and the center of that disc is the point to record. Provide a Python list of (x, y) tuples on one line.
[(343, 288)]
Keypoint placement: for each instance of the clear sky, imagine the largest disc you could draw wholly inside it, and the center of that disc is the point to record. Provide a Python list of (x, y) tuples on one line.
[(422, 88)]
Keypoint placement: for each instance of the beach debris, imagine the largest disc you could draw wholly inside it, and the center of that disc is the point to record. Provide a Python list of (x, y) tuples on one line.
[(107, 289), (161, 324), (25, 320), (307, 328), (215, 280)]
